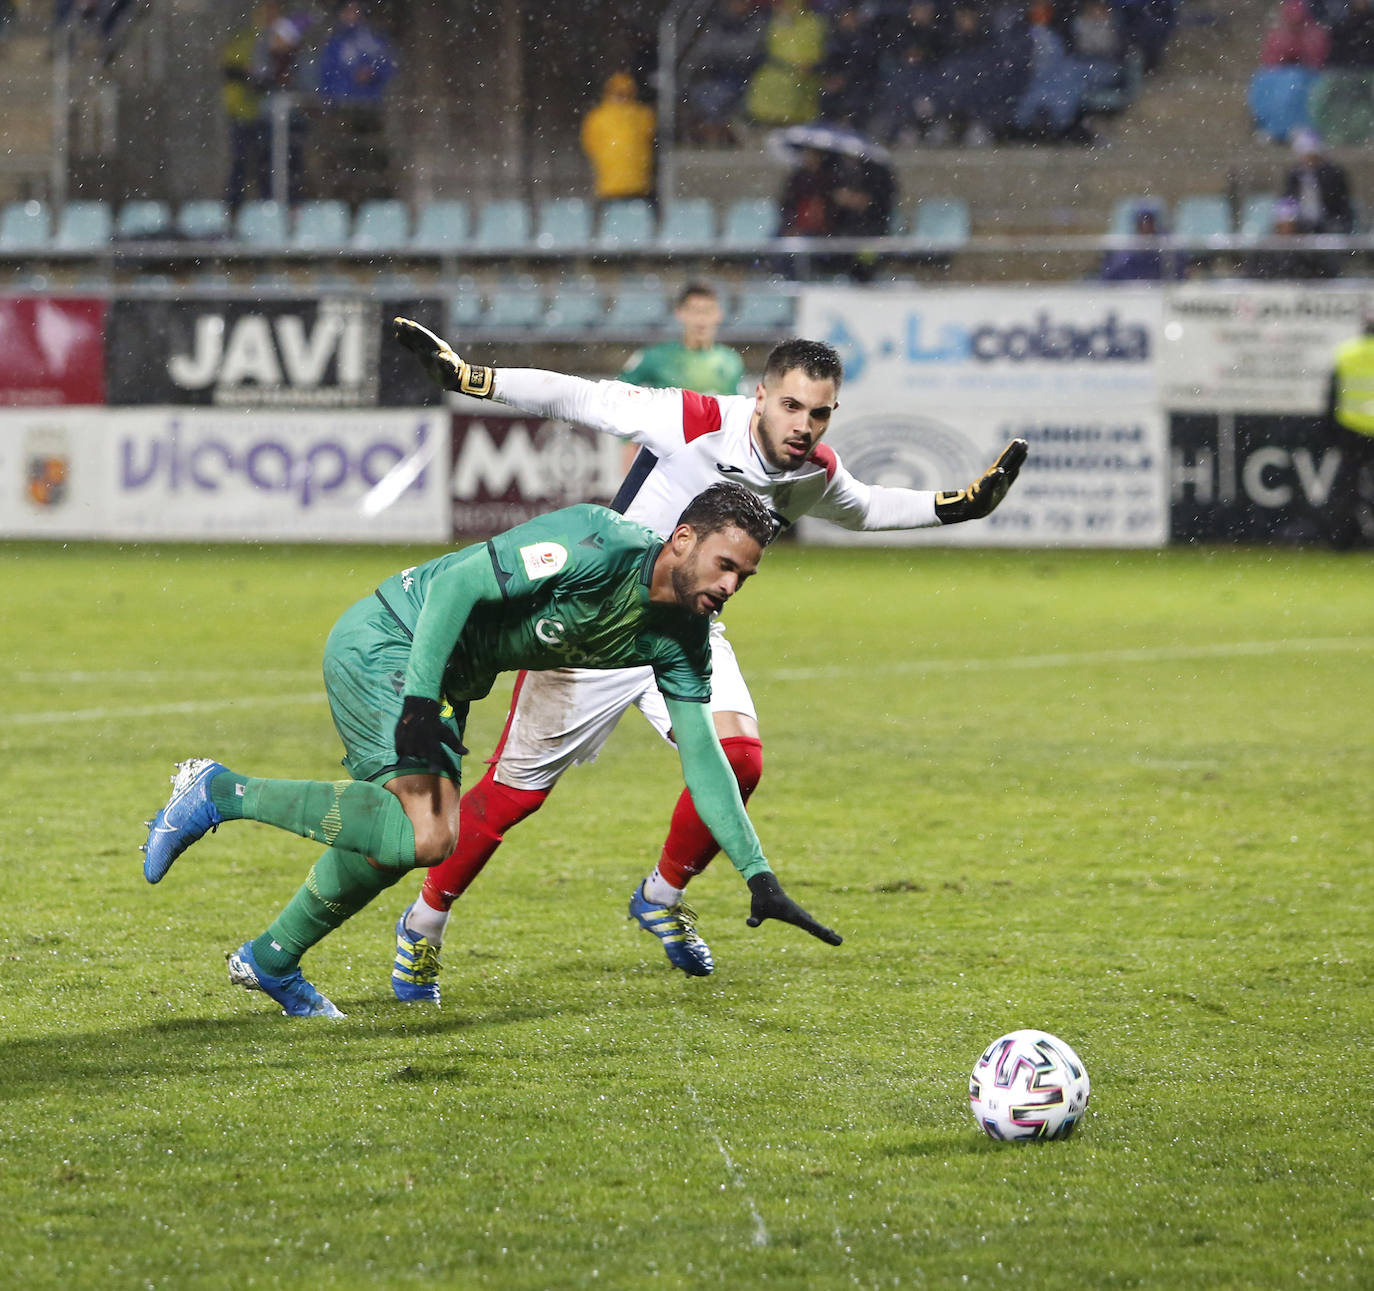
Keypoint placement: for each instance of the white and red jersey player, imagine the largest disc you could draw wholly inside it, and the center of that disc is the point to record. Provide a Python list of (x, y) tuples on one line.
[(769, 443), (688, 442)]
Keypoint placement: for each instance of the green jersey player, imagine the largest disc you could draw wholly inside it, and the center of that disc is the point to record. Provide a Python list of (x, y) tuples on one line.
[(697, 362), (582, 587)]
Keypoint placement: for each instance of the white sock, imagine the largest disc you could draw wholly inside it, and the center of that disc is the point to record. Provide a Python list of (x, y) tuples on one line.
[(423, 920), (658, 890)]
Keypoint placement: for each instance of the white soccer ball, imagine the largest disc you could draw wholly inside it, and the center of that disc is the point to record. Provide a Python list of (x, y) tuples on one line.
[(1028, 1085)]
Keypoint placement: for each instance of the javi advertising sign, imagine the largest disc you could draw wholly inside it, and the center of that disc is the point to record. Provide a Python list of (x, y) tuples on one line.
[(329, 352), (937, 382), (191, 474), (509, 468), (52, 351)]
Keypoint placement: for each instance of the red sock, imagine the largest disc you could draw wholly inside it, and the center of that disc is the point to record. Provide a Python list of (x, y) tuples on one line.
[(485, 812), (689, 846)]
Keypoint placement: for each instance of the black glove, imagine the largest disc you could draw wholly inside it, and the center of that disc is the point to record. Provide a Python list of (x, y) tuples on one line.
[(982, 496), (421, 733), (441, 364), (771, 902)]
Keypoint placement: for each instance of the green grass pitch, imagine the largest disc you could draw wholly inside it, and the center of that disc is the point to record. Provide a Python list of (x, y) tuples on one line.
[(1124, 797)]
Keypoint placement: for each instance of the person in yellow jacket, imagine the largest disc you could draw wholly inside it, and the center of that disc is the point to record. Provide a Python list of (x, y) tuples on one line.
[(1351, 409), (618, 138)]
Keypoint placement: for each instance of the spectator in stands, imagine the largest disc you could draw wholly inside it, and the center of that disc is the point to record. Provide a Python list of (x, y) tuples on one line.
[(618, 139), (863, 193), (1152, 263), (786, 89), (718, 69), (1294, 37), (1352, 38), (1147, 26), (1320, 187), (250, 156), (911, 92), (1097, 40), (1052, 105), (355, 67), (975, 92), (804, 209), (849, 70), (1289, 263)]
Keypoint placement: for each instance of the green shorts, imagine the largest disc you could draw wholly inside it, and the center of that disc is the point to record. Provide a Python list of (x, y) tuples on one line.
[(365, 678)]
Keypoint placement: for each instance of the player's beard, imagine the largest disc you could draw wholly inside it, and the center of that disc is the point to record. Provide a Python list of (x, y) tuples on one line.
[(686, 589), (767, 449)]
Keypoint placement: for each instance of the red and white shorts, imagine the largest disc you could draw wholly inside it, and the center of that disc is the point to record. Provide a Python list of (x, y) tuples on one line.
[(565, 716)]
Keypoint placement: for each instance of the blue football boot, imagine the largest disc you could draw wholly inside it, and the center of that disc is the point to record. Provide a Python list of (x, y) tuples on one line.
[(189, 815), (415, 970), (676, 927), (296, 996)]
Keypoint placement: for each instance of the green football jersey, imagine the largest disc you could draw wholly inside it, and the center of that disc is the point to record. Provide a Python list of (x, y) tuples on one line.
[(574, 589), (718, 370)]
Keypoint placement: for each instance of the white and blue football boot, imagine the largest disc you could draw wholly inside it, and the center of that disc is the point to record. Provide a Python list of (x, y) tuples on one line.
[(296, 996), (415, 970), (189, 815), (676, 928)]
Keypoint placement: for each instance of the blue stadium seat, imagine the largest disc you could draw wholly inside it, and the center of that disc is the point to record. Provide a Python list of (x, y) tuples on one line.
[(465, 304), (638, 307), (383, 224), (626, 225), (514, 305), (943, 221), (564, 222), (760, 309), (503, 224), (1257, 216), (203, 218), (25, 226), (144, 218), (83, 226), (261, 224), (442, 226), (687, 221), (748, 220), (1200, 216), (575, 307), (321, 225)]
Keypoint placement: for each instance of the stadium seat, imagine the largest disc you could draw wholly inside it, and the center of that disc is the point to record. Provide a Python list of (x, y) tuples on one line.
[(383, 224), (321, 225), (202, 219), (441, 226), (261, 224), (1123, 214), (83, 226), (332, 281), (1200, 216), (942, 221), (24, 226), (637, 307), (751, 219), (626, 225), (761, 309), (465, 304), (143, 218), (1257, 216), (503, 224), (564, 223), (687, 221), (1341, 106), (513, 305), (575, 307)]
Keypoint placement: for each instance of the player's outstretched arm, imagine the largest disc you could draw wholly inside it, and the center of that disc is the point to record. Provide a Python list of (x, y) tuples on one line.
[(441, 364), (981, 497)]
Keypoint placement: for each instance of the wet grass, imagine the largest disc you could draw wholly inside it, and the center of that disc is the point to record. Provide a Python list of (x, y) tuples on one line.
[(1125, 797)]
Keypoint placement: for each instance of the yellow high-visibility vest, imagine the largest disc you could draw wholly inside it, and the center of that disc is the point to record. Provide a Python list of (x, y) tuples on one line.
[(1355, 385)]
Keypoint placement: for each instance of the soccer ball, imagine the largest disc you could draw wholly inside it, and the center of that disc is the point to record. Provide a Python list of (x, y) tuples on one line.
[(1028, 1085)]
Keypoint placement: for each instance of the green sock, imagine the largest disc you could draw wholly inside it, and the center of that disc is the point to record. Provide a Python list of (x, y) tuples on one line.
[(339, 884), (353, 815)]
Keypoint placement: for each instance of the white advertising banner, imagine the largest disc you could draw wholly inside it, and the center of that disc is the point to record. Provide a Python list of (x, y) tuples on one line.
[(1253, 348), (177, 473), (937, 382)]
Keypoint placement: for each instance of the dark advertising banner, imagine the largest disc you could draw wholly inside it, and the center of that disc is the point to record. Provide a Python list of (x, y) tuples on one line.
[(508, 469), (1243, 477), (52, 351), (300, 353)]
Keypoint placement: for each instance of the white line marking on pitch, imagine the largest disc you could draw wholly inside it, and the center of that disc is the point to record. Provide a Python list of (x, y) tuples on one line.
[(185, 707), (760, 1237)]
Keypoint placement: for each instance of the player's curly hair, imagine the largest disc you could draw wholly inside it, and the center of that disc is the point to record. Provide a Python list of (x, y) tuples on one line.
[(726, 505), (817, 359)]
